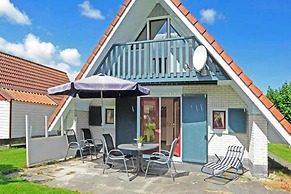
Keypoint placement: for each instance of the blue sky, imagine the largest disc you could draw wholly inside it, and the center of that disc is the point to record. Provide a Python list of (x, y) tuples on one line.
[(62, 34)]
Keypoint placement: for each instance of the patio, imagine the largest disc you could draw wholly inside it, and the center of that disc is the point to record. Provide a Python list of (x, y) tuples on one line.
[(88, 178)]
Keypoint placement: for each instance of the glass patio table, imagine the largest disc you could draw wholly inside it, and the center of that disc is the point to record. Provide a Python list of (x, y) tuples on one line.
[(139, 160)]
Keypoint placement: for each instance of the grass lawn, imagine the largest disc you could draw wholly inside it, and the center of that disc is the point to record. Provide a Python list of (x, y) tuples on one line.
[(12, 160), (281, 150)]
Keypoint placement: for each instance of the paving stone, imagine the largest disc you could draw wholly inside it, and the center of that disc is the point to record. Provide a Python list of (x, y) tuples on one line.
[(89, 178)]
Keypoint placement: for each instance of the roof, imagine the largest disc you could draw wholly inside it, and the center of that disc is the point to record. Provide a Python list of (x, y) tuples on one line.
[(224, 55), (23, 75), (29, 97)]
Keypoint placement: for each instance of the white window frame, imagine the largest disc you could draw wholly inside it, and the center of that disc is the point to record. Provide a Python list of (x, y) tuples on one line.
[(218, 130), (104, 108)]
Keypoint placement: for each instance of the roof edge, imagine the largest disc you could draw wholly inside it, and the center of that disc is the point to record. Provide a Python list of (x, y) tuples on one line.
[(235, 68), (22, 59)]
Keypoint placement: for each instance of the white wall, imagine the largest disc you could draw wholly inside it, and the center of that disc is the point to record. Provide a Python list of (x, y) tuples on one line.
[(4, 119), (40, 150), (274, 136), (36, 113), (220, 97)]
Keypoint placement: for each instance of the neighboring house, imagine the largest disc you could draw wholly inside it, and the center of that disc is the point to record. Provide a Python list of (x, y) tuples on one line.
[(209, 105), (23, 91)]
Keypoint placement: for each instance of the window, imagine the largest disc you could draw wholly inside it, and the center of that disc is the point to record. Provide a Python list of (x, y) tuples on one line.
[(109, 116), (95, 118), (237, 120), (157, 29)]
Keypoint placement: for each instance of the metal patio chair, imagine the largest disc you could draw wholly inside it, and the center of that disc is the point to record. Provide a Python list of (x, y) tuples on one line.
[(96, 144), (232, 159), (74, 144), (112, 154), (163, 157)]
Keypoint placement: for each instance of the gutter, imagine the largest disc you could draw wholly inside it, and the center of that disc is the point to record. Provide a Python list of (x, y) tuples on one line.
[(10, 122)]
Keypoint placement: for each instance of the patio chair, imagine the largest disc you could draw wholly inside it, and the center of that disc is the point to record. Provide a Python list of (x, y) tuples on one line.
[(74, 144), (112, 154), (96, 144), (232, 159), (163, 157)]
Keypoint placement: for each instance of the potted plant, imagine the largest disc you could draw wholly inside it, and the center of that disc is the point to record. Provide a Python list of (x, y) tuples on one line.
[(140, 140)]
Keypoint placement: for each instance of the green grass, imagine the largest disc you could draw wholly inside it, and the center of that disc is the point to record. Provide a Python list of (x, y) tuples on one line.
[(281, 150), (14, 159)]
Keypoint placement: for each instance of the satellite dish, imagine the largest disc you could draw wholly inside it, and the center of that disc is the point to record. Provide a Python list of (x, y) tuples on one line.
[(199, 57)]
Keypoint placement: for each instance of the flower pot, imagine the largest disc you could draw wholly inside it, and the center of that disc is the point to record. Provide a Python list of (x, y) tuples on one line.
[(139, 145)]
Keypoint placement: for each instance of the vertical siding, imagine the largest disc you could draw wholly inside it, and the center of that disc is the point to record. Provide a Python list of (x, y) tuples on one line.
[(36, 113), (4, 119)]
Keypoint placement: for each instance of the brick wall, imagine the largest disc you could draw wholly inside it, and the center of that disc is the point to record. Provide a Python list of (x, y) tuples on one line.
[(258, 148), (254, 140), (220, 97)]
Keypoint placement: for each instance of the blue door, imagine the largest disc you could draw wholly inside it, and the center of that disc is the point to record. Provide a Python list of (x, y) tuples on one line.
[(126, 120), (194, 128)]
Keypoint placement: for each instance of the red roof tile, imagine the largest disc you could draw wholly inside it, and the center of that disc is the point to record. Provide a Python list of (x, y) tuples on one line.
[(245, 79), (217, 47), (26, 75), (226, 57), (57, 110), (2, 97), (235, 68), (192, 19), (208, 37), (266, 101), (184, 10), (256, 90), (286, 124), (30, 97), (213, 43), (277, 113), (199, 27)]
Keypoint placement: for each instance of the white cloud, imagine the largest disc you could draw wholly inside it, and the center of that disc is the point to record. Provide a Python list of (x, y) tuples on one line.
[(209, 16), (71, 56), (32, 48), (66, 68), (89, 11), (38, 50), (12, 14)]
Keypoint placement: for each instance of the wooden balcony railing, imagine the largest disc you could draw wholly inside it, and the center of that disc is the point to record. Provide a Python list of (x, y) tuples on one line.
[(167, 60)]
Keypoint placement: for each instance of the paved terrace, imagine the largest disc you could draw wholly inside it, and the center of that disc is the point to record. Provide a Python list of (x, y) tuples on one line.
[(88, 178)]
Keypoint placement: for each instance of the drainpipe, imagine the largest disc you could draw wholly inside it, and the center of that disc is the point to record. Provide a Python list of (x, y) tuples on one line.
[(10, 123)]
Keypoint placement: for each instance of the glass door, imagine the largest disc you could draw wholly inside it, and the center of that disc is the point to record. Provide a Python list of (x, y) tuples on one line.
[(170, 122), (150, 119)]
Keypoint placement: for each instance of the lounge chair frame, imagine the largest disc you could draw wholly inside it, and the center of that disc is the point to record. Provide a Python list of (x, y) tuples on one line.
[(232, 159)]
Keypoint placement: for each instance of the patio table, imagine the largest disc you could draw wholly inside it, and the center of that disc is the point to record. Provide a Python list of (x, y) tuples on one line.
[(139, 161)]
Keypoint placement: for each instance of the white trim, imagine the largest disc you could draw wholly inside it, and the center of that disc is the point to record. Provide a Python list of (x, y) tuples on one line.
[(108, 126), (266, 112), (216, 130), (93, 62), (60, 113)]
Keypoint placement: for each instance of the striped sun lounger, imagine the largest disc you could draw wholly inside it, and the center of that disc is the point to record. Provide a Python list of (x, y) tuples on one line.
[(232, 159)]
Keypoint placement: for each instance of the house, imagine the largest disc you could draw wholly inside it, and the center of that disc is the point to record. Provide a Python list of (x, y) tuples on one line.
[(198, 92), (23, 91)]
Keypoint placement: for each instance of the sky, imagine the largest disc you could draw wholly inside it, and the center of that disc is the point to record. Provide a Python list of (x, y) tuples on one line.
[(62, 34)]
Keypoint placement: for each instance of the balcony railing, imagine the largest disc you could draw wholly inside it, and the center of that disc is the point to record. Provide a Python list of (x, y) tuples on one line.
[(167, 60)]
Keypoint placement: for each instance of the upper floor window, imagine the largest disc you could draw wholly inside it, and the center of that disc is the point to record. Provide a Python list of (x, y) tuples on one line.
[(156, 29)]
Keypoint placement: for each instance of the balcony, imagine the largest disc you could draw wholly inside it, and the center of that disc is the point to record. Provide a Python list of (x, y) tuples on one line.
[(158, 61)]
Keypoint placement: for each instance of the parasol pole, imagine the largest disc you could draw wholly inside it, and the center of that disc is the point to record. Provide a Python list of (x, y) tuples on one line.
[(104, 114)]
